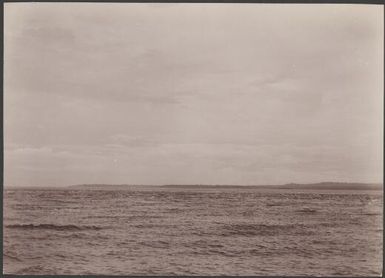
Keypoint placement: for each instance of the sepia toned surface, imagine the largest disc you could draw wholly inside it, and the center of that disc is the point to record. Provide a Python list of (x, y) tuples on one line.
[(193, 232), (104, 96)]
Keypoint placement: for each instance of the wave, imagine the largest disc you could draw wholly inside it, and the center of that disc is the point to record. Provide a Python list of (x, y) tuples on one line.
[(156, 244), (12, 257), (275, 204), (52, 227), (264, 230), (35, 269), (307, 211), (371, 213)]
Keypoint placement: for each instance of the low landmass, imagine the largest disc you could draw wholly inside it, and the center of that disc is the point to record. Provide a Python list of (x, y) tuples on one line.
[(333, 186), (310, 186), (103, 186)]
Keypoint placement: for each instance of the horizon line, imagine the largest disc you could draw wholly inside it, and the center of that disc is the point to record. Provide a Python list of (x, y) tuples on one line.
[(192, 184)]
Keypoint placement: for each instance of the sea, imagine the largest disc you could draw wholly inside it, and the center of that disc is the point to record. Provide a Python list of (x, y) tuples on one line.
[(163, 231)]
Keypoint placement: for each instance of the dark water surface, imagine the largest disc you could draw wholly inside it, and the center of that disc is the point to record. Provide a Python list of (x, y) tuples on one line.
[(184, 232)]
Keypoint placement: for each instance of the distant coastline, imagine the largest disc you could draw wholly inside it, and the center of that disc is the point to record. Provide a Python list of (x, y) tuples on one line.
[(288, 186), (316, 186)]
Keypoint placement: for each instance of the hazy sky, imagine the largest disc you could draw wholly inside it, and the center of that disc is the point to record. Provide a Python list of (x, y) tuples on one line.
[(192, 93)]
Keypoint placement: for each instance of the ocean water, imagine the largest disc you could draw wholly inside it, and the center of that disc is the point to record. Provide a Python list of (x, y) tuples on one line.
[(192, 232)]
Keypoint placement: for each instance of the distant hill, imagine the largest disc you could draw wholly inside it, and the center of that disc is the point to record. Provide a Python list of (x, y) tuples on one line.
[(105, 186), (314, 186), (203, 186), (333, 186)]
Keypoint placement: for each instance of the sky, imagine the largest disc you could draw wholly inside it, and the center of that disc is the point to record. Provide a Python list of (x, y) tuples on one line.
[(192, 93)]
